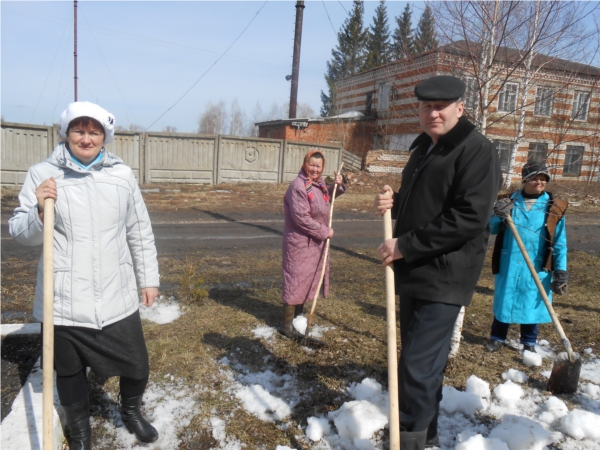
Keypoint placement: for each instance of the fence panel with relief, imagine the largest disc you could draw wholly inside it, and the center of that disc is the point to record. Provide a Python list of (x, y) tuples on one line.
[(160, 157)]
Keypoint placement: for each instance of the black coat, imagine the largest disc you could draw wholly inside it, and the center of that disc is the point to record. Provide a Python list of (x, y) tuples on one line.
[(442, 212)]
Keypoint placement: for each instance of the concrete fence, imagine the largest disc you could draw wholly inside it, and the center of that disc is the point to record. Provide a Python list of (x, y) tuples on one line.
[(157, 157)]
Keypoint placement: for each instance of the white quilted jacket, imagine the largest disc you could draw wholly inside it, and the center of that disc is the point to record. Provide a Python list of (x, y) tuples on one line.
[(102, 231)]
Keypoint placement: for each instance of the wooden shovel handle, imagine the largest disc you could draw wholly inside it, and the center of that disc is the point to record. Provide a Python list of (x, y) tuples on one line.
[(325, 253), (48, 338), (392, 353), (536, 278)]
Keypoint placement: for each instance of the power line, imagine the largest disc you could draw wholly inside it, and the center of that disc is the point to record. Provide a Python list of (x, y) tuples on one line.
[(108, 68), (342, 6), (49, 72), (327, 12), (208, 70)]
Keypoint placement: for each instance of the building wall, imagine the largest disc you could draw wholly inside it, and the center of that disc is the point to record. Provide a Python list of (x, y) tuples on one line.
[(398, 123), (355, 136)]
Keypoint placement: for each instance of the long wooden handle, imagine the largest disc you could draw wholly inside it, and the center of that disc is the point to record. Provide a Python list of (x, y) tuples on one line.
[(325, 253), (540, 286), (48, 338), (391, 341)]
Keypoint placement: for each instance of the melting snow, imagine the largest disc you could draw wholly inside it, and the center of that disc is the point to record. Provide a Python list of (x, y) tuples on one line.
[(162, 311)]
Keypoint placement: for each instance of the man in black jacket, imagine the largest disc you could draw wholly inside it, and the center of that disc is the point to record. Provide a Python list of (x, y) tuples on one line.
[(442, 210)]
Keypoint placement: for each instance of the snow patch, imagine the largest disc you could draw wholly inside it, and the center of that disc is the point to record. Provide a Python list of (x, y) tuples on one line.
[(162, 311)]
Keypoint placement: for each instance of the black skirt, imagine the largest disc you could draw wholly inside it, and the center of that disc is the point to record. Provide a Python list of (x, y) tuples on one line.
[(119, 349)]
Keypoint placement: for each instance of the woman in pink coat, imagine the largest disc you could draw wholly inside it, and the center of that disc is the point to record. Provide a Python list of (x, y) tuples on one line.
[(307, 203)]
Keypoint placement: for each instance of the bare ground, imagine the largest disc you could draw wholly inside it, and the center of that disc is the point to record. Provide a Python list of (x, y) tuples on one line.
[(231, 294)]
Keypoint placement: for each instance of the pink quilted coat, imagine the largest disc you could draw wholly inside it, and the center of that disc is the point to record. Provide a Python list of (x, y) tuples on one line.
[(304, 236)]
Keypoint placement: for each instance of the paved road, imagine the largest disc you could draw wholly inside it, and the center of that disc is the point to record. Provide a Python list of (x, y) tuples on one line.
[(195, 230)]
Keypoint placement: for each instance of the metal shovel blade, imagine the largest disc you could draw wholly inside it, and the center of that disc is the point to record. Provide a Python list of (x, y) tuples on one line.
[(565, 374)]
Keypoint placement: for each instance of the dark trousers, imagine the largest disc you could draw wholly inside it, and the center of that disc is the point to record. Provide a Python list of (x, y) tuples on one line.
[(425, 330), (529, 332), (74, 388)]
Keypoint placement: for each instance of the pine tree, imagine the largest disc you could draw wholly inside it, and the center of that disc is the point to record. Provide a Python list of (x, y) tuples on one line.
[(404, 44), (425, 38), (348, 57), (378, 47)]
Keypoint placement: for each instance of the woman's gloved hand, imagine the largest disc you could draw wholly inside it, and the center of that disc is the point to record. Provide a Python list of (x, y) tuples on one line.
[(559, 282), (503, 207)]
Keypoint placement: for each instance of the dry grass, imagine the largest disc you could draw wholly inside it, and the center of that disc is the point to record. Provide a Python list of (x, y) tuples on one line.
[(226, 296), (190, 347)]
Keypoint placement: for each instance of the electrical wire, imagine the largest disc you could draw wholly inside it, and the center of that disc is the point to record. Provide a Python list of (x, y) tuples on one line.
[(58, 96), (342, 6), (49, 72), (108, 68), (327, 12), (153, 41), (208, 70)]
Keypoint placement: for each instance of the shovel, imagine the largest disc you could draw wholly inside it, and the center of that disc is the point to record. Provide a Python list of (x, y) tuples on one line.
[(325, 253), (567, 367), (391, 341), (48, 337)]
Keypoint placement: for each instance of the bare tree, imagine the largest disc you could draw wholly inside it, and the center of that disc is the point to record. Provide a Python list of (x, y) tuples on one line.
[(136, 128), (510, 47), (214, 119), (237, 119), (170, 129)]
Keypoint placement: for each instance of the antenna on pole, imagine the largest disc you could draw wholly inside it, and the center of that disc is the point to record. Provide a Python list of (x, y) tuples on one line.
[(296, 59), (75, 45)]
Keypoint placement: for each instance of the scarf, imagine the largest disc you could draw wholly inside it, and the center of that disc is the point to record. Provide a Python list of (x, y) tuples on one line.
[(308, 183)]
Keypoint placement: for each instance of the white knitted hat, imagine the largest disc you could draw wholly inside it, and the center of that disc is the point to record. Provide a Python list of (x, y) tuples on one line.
[(87, 109)]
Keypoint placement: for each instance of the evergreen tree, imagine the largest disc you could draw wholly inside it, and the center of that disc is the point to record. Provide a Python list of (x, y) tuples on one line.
[(404, 44), (348, 57), (378, 47), (425, 35)]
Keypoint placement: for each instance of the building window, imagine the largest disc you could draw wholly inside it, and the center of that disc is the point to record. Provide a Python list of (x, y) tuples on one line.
[(581, 102), (471, 96), (503, 152), (369, 106), (543, 101), (573, 158), (507, 100), (537, 152), (384, 97)]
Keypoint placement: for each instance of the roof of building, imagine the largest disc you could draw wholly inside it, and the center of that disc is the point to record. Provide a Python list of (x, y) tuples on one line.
[(350, 115), (503, 54)]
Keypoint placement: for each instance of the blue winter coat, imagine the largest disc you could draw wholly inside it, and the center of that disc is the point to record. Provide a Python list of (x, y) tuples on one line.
[(516, 296)]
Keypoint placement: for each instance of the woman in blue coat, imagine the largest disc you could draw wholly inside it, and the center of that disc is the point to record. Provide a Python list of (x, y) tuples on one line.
[(539, 219)]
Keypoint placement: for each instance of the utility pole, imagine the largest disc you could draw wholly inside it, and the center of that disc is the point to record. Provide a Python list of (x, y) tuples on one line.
[(296, 60), (75, 45)]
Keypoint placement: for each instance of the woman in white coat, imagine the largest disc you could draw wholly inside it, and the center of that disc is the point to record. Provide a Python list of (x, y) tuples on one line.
[(103, 241)]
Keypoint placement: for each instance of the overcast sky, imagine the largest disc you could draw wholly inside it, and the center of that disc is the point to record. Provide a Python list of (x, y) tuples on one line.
[(136, 59)]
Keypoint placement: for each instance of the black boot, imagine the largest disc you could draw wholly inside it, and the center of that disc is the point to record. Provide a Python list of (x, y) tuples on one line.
[(134, 421), (413, 440), (77, 425), (298, 310)]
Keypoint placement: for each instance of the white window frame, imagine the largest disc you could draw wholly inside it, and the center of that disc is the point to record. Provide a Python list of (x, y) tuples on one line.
[(471, 96), (508, 104), (580, 108), (569, 164), (504, 148), (535, 150), (383, 96), (544, 101)]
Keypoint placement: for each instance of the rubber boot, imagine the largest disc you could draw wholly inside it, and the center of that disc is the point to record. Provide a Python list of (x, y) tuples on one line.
[(433, 440), (77, 425), (134, 421), (287, 326), (413, 440), (288, 330), (298, 310)]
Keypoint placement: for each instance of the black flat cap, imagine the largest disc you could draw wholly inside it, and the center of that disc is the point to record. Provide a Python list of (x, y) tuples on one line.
[(531, 169), (444, 88)]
